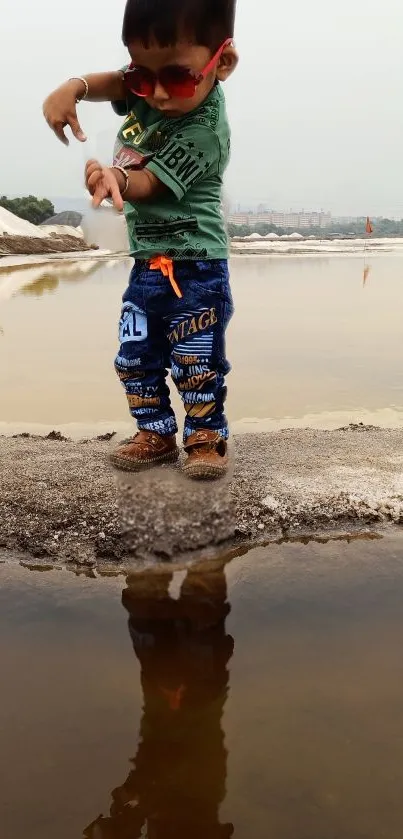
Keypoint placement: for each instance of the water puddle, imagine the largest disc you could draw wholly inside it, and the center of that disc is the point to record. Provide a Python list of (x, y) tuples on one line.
[(258, 697)]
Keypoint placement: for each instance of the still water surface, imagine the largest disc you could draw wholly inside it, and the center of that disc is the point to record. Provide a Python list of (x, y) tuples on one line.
[(311, 343), (261, 699)]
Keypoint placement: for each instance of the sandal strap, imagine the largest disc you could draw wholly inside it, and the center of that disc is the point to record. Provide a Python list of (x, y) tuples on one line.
[(156, 441), (146, 438), (206, 439)]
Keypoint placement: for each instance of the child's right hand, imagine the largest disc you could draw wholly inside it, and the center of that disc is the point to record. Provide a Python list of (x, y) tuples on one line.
[(59, 110), (102, 182)]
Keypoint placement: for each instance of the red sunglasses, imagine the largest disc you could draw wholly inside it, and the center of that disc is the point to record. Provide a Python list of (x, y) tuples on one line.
[(177, 81)]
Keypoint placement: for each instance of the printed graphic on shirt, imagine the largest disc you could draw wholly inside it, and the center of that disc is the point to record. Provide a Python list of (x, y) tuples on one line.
[(181, 159), (154, 229), (134, 133), (131, 136), (188, 155), (130, 158)]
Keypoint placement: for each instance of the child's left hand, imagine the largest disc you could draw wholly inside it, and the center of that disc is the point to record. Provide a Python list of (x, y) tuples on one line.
[(102, 183)]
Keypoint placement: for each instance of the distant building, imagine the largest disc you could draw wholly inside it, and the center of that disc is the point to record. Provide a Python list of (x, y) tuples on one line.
[(239, 218), (347, 220), (290, 221)]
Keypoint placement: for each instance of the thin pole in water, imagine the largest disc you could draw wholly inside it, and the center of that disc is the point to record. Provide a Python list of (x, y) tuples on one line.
[(368, 232)]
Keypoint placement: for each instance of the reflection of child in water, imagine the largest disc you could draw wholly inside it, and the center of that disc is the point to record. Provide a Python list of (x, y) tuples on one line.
[(178, 778)]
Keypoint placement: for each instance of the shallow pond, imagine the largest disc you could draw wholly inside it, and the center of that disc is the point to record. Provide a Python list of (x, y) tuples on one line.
[(315, 342), (260, 699)]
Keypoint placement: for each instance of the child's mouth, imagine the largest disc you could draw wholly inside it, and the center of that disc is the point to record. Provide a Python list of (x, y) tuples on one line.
[(168, 112)]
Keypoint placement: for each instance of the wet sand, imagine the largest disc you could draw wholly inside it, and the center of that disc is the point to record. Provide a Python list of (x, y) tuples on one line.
[(62, 504)]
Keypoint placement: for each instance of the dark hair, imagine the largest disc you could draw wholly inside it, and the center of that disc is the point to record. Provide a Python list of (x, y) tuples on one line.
[(205, 22)]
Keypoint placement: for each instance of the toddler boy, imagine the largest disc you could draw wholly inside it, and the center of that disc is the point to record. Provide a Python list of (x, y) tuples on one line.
[(167, 173)]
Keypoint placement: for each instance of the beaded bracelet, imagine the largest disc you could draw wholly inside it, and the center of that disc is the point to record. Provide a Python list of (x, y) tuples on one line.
[(126, 176), (86, 90)]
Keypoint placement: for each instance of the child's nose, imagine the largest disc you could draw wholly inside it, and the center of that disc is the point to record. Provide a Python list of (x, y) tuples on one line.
[(160, 94)]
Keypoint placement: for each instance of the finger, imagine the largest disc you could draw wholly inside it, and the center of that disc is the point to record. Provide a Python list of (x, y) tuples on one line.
[(114, 191), (92, 166), (94, 179), (91, 169), (76, 127), (58, 127), (91, 190), (100, 194)]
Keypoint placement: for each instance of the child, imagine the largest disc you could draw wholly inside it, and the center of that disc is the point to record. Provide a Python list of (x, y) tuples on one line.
[(167, 173)]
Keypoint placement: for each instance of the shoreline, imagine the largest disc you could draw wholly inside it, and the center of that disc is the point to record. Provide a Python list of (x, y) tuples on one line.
[(21, 261), (62, 505), (381, 418), (306, 248)]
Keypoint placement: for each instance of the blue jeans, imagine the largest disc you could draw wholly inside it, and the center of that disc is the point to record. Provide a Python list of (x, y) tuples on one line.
[(159, 330)]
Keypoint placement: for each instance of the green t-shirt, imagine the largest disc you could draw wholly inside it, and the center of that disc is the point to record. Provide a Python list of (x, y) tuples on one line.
[(189, 155)]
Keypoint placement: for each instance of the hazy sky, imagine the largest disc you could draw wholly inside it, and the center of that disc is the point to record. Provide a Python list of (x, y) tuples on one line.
[(316, 104)]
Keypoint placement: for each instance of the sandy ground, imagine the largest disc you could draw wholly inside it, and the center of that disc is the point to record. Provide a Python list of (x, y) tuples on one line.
[(61, 503), (28, 245)]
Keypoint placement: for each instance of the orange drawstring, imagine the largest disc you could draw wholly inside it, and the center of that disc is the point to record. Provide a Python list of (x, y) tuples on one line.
[(174, 697), (162, 263)]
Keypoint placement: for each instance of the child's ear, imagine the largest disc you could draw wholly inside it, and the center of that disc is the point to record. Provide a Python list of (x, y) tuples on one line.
[(227, 64)]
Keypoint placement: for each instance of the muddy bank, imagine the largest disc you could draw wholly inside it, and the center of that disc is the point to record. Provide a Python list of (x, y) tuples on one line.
[(61, 503), (29, 245)]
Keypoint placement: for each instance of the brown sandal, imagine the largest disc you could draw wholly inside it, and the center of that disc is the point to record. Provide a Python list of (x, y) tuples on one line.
[(144, 451), (207, 456)]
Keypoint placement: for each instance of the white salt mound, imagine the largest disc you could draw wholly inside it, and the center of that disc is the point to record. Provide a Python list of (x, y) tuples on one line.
[(11, 225), (61, 230)]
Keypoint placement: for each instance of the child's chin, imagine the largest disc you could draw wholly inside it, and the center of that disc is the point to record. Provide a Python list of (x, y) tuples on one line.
[(169, 113)]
